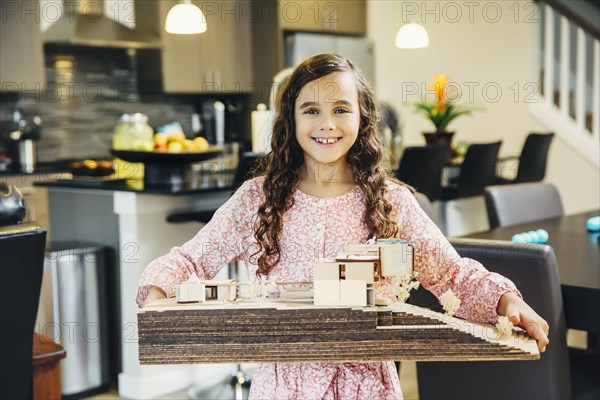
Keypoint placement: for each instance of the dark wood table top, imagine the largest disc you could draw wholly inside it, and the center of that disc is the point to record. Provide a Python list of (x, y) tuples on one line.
[(577, 250)]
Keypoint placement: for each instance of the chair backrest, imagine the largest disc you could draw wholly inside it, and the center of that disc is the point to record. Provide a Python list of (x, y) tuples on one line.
[(247, 164), (534, 157), (521, 203), (21, 268), (478, 169), (426, 206), (421, 167), (534, 270)]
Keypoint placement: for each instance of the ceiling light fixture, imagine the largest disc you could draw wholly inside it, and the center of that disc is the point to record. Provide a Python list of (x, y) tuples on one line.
[(412, 36), (185, 19)]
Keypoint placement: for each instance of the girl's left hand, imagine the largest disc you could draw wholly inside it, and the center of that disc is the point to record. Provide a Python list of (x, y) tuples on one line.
[(520, 314)]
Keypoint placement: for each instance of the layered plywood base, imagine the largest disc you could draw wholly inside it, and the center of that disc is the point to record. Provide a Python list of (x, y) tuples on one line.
[(171, 333)]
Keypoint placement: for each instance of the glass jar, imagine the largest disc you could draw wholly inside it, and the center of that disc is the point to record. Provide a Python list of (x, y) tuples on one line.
[(120, 134), (133, 133)]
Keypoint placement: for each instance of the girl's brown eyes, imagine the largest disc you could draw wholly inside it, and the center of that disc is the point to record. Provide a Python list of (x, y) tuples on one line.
[(313, 111)]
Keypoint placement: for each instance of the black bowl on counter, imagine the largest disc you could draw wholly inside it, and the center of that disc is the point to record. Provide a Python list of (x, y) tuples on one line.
[(91, 168), (162, 168)]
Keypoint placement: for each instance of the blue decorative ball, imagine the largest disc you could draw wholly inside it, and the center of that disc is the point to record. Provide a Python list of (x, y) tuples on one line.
[(593, 224), (543, 235)]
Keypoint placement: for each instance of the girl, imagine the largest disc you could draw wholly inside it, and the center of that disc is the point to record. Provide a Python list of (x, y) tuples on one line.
[(323, 188)]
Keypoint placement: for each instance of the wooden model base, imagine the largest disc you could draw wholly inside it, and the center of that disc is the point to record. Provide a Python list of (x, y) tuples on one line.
[(265, 332)]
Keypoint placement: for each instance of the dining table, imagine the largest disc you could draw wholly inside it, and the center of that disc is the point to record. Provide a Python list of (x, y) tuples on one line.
[(578, 255)]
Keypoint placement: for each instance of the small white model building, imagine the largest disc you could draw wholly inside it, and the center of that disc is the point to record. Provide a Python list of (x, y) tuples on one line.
[(195, 291), (349, 279), (223, 291), (191, 291)]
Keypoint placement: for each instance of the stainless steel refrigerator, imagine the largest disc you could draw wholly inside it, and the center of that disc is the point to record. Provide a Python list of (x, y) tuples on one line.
[(360, 50)]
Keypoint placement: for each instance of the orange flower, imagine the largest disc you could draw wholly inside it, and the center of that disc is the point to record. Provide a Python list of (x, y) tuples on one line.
[(443, 110), (439, 86)]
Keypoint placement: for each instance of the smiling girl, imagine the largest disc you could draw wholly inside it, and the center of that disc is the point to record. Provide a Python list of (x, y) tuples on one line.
[(323, 188)]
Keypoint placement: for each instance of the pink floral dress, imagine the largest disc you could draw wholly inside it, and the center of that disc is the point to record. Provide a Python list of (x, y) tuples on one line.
[(321, 227)]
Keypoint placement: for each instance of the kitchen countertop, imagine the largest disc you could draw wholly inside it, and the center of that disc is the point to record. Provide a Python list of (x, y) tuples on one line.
[(42, 169), (196, 183)]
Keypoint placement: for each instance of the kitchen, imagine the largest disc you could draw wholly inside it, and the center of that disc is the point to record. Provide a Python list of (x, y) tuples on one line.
[(80, 78)]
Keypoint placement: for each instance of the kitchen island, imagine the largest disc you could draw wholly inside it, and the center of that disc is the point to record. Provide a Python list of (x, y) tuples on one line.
[(131, 220)]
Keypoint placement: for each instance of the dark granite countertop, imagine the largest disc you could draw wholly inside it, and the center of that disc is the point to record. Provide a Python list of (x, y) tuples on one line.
[(195, 184), (41, 168)]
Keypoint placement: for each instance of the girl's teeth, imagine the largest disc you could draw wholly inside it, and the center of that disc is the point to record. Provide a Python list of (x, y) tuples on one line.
[(326, 141)]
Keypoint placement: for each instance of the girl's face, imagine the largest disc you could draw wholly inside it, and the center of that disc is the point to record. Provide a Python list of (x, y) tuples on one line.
[(327, 117)]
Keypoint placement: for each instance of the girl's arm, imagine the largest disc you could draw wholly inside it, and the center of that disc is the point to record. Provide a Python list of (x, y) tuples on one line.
[(520, 314), (439, 267), (222, 240), (484, 295)]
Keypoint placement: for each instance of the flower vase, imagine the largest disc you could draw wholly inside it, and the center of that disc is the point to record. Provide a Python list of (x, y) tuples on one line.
[(442, 137), (439, 137)]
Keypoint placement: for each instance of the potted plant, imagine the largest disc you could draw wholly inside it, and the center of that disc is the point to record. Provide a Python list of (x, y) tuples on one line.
[(441, 112)]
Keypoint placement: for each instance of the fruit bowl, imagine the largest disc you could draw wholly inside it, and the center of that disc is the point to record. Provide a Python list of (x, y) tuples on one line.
[(166, 168), (160, 157)]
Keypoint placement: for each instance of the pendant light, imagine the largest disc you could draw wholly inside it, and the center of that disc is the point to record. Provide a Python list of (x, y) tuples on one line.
[(185, 19), (412, 36)]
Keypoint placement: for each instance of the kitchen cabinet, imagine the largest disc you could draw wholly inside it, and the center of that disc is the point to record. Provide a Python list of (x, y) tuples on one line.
[(326, 16), (22, 61), (218, 60), (273, 20)]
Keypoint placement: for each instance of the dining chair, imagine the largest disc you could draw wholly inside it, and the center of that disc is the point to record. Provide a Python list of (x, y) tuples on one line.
[(21, 269), (521, 203), (532, 161), (426, 205), (421, 167), (533, 268), (477, 171)]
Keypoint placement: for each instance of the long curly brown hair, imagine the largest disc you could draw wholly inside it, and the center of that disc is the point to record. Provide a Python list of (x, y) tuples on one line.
[(281, 168)]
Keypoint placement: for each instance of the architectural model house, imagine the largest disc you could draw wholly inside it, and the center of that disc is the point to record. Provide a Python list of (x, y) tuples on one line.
[(395, 256), (220, 290), (195, 291), (349, 279), (191, 291)]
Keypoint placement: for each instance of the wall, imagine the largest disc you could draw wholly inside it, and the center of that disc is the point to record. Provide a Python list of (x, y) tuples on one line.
[(89, 88), (480, 46)]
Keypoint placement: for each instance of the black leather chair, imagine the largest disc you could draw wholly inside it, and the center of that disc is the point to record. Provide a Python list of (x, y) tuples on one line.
[(421, 167), (533, 269), (521, 203), (533, 159), (21, 268), (477, 171), (244, 171)]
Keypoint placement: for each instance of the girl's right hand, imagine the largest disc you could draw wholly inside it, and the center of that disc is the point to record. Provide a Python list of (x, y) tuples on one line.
[(155, 293)]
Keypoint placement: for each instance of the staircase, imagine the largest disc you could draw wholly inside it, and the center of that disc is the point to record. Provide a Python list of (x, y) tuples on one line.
[(568, 101)]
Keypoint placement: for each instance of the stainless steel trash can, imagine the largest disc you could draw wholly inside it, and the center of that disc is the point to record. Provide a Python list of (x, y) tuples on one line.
[(73, 313)]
